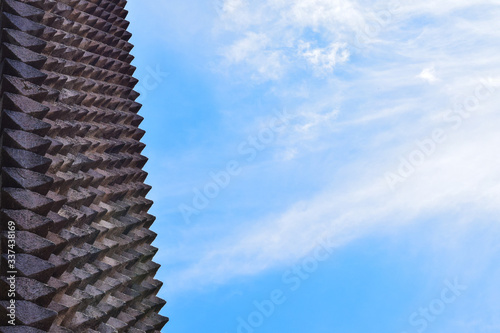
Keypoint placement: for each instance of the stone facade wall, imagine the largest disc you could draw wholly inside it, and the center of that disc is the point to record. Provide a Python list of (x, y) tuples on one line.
[(72, 183)]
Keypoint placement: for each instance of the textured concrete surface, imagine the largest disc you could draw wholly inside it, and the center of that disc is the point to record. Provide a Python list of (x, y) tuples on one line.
[(72, 177)]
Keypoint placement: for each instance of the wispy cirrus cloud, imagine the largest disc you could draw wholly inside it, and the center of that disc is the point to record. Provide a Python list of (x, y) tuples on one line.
[(369, 106)]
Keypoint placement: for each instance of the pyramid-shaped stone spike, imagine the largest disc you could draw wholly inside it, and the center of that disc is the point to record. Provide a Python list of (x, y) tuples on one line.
[(29, 290), (24, 87), (24, 159), (23, 39), (24, 55), (30, 314), (24, 71), (23, 9), (27, 179), (25, 141), (23, 24), (28, 221), (16, 198), (21, 121)]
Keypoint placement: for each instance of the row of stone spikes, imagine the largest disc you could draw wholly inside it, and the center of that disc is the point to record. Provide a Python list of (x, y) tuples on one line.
[(94, 64), (71, 34), (109, 12)]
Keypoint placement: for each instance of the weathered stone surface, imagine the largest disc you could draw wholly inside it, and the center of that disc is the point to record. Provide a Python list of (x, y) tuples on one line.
[(24, 122), (24, 10), (72, 178), (24, 104), (27, 179), (24, 87), (29, 290), (24, 71), (25, 141), (24, 159), (28, 221), (33, 244), (16, 198), (32, 267), (30, 314), (23, 39), (24, 55)]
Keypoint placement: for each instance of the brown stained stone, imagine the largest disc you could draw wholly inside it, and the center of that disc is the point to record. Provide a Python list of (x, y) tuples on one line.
[(30, 314), (116, 304), (52, 95), (71, 97), (95, 314), (59, 241), (83, 298), (81, 163), (75, 198), (61, 311), (126, 318), (62, 9), (54, 81), (75, 216)]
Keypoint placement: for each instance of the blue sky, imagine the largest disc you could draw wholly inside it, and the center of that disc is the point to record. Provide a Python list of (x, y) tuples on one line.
[(323, 165)]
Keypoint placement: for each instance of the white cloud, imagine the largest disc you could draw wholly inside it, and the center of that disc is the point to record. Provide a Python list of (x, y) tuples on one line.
[(310, 121), (253, 50), (463, 177), (288, 28), (429, 75), (323, 59), (368, 100), (326, 15), (230, 7), (246, 47)]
